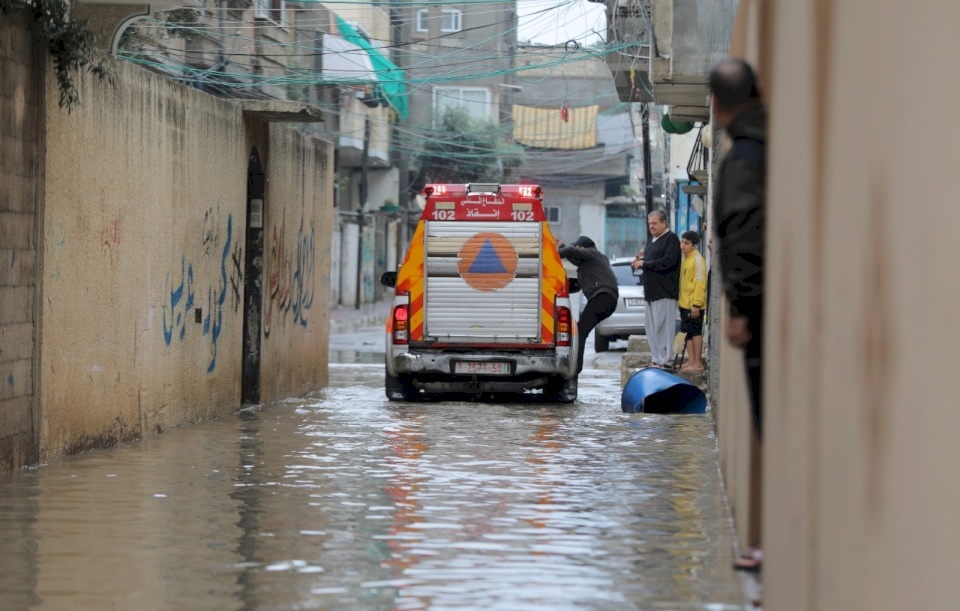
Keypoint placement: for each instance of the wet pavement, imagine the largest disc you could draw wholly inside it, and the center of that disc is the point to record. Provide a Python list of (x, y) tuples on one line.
[(342, 500)]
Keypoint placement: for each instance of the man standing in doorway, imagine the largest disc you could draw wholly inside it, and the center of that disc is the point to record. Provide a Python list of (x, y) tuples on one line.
[(739, 212), (660, 262)]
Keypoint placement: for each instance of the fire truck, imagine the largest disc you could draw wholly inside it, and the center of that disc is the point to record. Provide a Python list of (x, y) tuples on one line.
[(482, 300)]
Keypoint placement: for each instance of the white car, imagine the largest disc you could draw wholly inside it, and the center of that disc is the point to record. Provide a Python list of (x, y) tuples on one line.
[(630, 316)]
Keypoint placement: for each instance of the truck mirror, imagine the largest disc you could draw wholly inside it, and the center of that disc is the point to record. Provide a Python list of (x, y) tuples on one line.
[(389, 279), (574, 285)]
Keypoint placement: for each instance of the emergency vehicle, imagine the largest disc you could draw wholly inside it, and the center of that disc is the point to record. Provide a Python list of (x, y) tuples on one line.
[(482, 301)]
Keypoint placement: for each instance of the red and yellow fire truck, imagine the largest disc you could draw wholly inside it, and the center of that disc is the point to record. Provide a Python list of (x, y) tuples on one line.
[(482, 301)]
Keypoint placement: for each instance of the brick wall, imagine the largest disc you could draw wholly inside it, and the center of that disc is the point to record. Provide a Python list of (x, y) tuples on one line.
[(20, 146)]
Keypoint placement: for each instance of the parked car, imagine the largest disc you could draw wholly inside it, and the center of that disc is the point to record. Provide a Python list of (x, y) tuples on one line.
[(630, 316)]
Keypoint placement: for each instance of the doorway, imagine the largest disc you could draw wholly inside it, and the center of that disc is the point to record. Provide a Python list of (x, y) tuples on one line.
[(253, 281)]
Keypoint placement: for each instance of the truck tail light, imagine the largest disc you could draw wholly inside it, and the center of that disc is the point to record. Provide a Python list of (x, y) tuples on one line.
[(400, 325), (564, 322)]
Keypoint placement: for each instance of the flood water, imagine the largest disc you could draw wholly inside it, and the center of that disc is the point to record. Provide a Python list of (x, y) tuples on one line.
[(341, 500)]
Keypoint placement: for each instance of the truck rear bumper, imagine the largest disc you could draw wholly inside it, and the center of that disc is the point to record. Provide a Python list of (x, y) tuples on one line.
[(438, 371)]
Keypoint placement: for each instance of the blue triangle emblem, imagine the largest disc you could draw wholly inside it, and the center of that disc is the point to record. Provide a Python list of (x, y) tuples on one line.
[(487, 261)]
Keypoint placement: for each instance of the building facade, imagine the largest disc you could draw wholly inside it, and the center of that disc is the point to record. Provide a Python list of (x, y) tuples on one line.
[(336, 58)]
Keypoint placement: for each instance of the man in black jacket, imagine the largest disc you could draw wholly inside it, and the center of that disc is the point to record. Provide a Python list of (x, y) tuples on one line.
[(740, 193), (599, 286), (661, 287)]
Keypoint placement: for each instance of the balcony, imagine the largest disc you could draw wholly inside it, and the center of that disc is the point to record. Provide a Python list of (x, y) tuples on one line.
[(672, 44), (107, 19), (629, 35)]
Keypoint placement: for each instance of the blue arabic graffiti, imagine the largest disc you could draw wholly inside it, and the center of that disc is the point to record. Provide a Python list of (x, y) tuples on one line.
[(175, 315), (213, 328), (178, 316)]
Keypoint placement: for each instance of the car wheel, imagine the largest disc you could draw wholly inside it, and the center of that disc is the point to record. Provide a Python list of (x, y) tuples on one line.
[(561, 391), (400, 388), (601, 343)]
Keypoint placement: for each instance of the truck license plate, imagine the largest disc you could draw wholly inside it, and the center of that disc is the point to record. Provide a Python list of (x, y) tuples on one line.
[(482, 368), (634, 302)]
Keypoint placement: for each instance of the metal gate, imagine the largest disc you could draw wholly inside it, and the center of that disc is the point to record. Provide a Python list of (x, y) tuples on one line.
[(625, 236)]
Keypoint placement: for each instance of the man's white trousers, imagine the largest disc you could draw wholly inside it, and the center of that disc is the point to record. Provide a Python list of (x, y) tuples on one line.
[(661, 324)]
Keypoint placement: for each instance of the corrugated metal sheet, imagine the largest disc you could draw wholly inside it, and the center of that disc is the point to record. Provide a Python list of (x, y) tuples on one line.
[(456, 312), (498, 304), (544, 127)]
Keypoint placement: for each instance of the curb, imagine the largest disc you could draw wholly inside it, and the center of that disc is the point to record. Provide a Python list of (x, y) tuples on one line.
[(361, 322), (371, 315), (638, 356)]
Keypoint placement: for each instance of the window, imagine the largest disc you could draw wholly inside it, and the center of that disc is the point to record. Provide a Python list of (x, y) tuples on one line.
[(476, 100), (261, 9), (279, 12), (271, 10), (423, 23), (552, 213), (625, 274), (451, 21)]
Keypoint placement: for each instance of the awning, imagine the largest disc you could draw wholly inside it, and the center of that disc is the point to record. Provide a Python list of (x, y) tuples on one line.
[(392, 83), (546, 128), (346, 63)]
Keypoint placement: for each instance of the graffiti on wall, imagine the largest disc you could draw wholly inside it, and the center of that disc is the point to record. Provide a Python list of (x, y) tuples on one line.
[(56, 243), (178, 315), (368, 247), (290, 277), (236, 274), (179, 300), (303, 274), (211, 229), (109, 226)]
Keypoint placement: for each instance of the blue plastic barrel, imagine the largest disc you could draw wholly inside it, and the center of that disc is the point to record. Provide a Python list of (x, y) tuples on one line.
[(655, 391)]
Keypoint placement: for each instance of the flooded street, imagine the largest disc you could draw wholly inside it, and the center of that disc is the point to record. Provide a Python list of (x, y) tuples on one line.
[(341, 500)]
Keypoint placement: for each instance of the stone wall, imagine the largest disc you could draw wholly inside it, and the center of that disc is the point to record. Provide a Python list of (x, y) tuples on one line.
[(21, 150)]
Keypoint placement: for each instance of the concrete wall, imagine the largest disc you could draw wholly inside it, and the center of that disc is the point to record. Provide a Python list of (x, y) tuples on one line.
[(701, 30), (146, 196), (21, 170), (860, 501), (577, 204), (144, 248), (299, 221)]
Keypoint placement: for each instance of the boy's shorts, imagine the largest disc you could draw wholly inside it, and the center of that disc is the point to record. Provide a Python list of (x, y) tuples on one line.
[(693, 327)]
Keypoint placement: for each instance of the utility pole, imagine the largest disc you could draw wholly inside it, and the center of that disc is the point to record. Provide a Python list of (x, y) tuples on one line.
[(364, 158), (647, 169), (397, 155)]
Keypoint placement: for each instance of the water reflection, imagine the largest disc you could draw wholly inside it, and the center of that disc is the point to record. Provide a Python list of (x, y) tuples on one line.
[(354, 356), (344, 501), (247, 493), (18, 516)]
